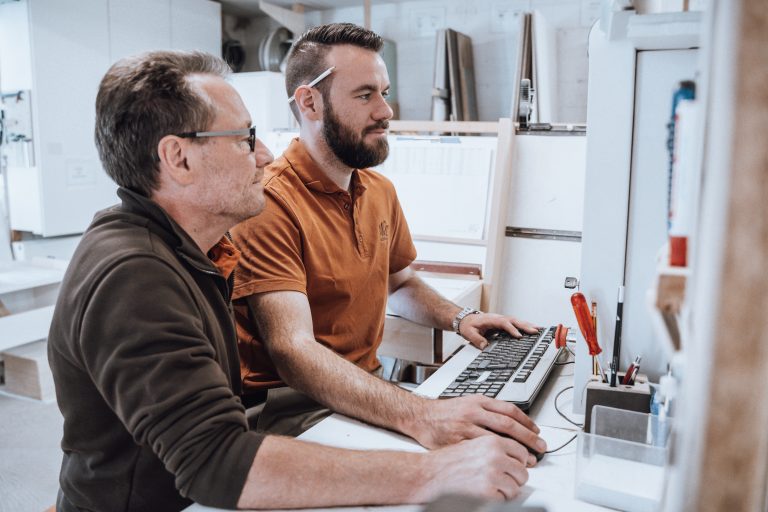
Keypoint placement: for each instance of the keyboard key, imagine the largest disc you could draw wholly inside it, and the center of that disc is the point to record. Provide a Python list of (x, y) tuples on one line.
[(500, 363)]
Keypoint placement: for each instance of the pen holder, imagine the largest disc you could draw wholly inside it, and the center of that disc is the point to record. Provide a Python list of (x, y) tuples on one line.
[(623, 463), (634, 397)]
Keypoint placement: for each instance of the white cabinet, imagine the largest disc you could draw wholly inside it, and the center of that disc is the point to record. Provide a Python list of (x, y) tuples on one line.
[(70, 52), (543, 227), (196, 25), (137, 26), (633, 72), (263, 93), (15, 62), (28, 292), (70, 45)]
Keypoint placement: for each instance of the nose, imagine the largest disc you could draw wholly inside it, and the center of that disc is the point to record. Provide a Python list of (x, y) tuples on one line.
[(263, 154), (383, 111)]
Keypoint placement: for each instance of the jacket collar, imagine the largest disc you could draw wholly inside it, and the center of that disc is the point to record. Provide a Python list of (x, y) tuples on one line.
[(164, 226)]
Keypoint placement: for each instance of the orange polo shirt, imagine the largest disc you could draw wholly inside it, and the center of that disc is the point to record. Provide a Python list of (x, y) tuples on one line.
[(224, 255), (337, 248)]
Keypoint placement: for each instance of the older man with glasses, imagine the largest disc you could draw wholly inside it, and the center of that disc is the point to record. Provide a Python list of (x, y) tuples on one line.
[(143, 345)]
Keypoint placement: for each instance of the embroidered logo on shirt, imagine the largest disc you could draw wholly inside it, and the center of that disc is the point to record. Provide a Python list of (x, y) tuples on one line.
[(383, 231)]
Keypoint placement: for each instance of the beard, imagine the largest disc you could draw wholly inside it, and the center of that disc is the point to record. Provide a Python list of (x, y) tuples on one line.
[(349, 147)]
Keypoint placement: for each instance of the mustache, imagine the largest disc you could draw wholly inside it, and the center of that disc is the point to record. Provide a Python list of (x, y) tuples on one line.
[(381, 125)]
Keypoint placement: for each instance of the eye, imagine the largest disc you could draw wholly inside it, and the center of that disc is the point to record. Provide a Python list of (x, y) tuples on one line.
[(365, 96), (385, 94)]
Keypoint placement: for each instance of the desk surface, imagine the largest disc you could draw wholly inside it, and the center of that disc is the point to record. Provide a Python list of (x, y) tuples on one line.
[(550, 483)]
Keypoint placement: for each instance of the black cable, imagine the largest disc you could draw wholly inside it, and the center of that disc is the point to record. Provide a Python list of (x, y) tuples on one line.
[(566, 418), (563, 445), (563, 364)]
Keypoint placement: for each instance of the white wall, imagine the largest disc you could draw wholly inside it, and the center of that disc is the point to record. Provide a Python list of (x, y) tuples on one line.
[(492, 25)]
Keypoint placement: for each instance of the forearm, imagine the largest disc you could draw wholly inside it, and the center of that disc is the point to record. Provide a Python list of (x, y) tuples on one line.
[(343, 387), (288, 473), (418, 302)]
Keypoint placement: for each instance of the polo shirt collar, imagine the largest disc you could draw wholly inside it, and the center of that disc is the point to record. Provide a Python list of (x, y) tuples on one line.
[(313, 176)]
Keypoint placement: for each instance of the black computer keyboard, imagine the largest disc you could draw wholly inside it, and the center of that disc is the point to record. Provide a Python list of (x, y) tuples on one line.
[(511, 369)]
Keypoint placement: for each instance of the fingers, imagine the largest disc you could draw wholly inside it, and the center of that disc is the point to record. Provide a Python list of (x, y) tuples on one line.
[(526, 326), (511, 410), (508, 420), (518, 474), (475, 338), (506, 462), (510, 462), (472, 326), (509, 326), (488, 466), (509, 485)]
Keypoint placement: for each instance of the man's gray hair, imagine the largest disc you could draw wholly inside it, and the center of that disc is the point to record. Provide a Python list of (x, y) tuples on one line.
[(142, 99)]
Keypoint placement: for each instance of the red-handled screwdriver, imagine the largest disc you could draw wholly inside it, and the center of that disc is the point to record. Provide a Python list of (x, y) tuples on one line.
[(584, 318)]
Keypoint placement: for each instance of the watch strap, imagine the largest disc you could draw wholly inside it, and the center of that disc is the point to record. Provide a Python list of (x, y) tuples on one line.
[(460, 316)]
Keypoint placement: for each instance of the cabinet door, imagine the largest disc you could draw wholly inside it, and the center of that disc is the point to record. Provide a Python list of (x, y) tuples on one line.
[(70, 54), (196, 25), (547, 182), (532, 276), (15, 62), (545, 218), (137, 26)]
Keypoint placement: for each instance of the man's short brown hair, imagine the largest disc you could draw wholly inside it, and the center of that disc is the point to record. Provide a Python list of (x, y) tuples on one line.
[(142, 99), (307, 57)]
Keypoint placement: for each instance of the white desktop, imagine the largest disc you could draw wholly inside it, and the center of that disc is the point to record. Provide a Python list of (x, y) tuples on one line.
[(551, 482)]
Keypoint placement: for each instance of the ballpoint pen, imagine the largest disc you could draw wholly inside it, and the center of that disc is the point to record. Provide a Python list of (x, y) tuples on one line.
[(314, 82), (617, 336), (595, 371)]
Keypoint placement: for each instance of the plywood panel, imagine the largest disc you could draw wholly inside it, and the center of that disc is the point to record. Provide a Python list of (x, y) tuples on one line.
[(735, 438)]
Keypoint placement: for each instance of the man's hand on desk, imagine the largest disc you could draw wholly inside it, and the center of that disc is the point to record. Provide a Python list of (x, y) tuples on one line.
[(446, 422), (472, 327), (490, 467)]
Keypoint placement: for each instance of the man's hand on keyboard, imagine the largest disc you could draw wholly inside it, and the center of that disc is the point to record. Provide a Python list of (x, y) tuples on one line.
[(450, 421), (490, 467), (472, 327)]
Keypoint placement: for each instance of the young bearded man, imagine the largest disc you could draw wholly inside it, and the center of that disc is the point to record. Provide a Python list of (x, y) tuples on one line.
[(143, 346), (328, 254)]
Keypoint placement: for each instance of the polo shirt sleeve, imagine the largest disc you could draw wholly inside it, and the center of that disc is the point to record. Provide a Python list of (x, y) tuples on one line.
[(271, 252), (402, 252)]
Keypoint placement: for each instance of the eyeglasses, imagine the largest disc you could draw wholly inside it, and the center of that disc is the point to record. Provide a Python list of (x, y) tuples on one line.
[(250, 132), (315, 81)]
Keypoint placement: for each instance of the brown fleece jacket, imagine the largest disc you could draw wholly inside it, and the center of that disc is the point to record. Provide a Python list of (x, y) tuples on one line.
[(144, 357)]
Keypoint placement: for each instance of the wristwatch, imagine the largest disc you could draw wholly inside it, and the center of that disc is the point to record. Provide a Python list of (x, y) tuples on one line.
[(458, 318)]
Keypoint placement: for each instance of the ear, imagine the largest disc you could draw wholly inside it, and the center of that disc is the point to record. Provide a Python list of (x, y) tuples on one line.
[(172, 152), (310, 102)]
